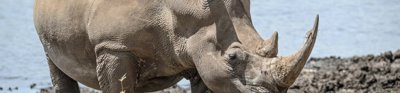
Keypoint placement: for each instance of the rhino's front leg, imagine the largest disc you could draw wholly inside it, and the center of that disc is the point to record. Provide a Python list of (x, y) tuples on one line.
[(114, 67), (197, 85)]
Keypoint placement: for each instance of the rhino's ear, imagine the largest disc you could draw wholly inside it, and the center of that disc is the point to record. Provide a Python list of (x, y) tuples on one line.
[(269, 48), (246, 5), (225, 31)]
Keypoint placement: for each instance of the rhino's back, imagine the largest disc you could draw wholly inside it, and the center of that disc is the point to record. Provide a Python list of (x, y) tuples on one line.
[(61, 28)]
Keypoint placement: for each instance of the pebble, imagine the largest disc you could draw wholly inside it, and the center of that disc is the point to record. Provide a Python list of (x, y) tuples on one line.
[(388, 55), (33, 85), (396, 54)]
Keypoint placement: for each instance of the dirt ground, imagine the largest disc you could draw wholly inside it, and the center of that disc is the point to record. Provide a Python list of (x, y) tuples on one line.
[(173, 89), (358, 74)]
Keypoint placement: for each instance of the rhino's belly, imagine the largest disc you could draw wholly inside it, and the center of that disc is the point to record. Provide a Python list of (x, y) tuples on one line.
[(76, 62), (157, 83), (157, 74)]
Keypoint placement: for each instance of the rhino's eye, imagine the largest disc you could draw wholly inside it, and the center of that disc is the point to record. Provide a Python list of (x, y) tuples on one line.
[(232, 56)]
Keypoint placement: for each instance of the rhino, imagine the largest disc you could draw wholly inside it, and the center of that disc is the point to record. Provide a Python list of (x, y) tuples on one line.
[(147, 45)]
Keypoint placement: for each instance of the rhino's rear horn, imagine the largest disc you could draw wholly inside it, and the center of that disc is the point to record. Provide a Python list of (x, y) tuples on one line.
[(288, 68), (269, 47)]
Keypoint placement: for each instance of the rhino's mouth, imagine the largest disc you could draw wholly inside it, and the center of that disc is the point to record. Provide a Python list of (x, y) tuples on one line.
[(257, 89)]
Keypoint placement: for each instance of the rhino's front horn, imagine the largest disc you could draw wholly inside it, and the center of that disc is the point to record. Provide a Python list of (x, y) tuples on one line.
[(288, 68), (269, 47)]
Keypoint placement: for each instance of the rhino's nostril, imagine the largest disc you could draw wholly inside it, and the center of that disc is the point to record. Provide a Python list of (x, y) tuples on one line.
[(264, 72)]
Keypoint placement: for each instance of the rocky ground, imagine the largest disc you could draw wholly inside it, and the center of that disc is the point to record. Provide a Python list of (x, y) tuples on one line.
[(371, 74), (358, 74), (173, 89)]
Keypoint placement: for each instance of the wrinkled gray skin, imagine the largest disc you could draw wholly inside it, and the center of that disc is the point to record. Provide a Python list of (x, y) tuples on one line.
[(155, 43)]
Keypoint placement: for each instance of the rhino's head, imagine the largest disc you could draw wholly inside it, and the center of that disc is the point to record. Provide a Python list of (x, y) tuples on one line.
[(231, 57)]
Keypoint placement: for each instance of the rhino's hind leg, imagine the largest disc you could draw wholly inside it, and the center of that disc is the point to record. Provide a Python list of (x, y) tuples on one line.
[(61, 82), (116, 71)]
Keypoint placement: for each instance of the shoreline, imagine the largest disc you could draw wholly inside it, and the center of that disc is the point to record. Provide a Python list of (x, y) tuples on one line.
[(369, 73), (366, 73)]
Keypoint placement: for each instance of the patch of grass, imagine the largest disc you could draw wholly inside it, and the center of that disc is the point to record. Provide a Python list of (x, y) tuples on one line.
[(122, 85)]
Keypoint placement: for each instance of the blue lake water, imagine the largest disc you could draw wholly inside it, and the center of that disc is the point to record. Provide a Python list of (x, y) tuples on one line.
[(347, 28)]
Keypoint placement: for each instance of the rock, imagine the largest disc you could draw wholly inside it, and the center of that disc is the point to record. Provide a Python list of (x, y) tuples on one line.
[(396, 54), (356, 59), (370, 57), (33, 85), (389, 83), (364, 68), (388, 55), (44, 90), (377, 74), (329, 87)]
